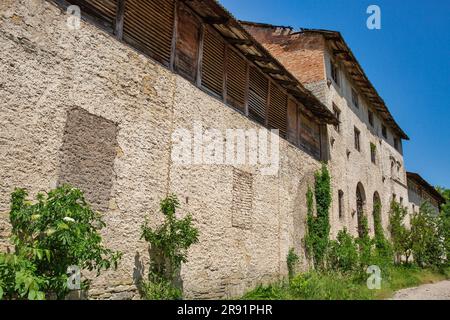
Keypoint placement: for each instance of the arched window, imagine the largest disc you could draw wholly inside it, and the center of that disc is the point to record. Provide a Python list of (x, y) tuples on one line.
[(360, 204), (376, 213)]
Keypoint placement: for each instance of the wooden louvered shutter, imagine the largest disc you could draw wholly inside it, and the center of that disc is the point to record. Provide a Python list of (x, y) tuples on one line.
[(236, 79), (257, 96), (309, 135), (188, 37), (292, 122), (278, 110), (148, 26), (213, 63), (104, 11)]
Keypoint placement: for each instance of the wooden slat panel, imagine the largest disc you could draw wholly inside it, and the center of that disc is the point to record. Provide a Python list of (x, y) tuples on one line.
[(148, 25), (213, 63), (188, 38), (236, 79), (309, 135), (292, 122), (257, 96), (278, 110)]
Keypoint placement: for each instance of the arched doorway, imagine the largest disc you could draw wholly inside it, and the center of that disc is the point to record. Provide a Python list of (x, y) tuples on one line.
[(360, 203), (376, 213)]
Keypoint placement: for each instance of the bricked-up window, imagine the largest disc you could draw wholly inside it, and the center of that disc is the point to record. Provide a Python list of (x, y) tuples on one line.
[(258, 95), (355, 98), (384, 131), (242, 199), (213, 63), (371, 118), (153, 36), (357, 139), (341, 203), (373, 153), (236, 79), (187, 46), (309, 132), (334, 72), (278, 110), (337, 114)]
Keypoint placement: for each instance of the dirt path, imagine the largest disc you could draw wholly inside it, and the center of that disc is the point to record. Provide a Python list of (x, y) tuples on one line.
[(435, 291)]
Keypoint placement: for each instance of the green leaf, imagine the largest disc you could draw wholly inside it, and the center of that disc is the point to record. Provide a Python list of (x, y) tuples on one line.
[(1, 293)]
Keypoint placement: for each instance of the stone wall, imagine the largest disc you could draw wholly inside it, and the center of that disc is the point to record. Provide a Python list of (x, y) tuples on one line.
[(80, 107), (307, 56)]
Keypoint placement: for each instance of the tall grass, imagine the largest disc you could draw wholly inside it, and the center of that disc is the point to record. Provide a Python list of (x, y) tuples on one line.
[(338, 286)]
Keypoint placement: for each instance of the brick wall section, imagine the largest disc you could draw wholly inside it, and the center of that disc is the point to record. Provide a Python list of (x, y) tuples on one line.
[(301, 54)]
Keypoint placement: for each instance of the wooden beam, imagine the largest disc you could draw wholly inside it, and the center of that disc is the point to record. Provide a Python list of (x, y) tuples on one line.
[(120, 14), (287, 82), (272, 71), (216, 20), (255, 57), (234, 41)]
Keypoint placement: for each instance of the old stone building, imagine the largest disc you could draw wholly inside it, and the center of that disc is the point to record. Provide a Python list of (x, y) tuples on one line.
[(420, 191), (365, 149), (97, 104)]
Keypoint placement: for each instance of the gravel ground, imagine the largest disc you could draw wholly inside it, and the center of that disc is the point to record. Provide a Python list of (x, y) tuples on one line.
[(435, 291)]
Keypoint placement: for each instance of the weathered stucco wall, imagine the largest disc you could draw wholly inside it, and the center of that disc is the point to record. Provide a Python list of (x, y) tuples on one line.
[(80, 107)]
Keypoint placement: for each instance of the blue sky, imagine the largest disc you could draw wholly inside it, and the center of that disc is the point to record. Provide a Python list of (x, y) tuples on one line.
[(408, 61)]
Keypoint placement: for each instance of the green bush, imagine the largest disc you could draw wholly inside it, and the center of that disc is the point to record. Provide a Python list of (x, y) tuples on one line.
[(428, 247), (168, 247), (343, 254), (400, 235), (58, 231)]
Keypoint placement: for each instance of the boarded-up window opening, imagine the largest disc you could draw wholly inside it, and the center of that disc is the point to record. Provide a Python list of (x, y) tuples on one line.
[(278, 110), (236, 79), (309, 135), (188, 39), (213, 63), (103, 11), (257, 96), (148, 26)]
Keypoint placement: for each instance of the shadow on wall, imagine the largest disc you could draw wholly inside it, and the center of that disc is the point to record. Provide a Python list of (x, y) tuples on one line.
[(87, 156)]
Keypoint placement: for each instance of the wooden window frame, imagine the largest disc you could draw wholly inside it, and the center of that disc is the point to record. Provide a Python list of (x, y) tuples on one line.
[(357, 136)]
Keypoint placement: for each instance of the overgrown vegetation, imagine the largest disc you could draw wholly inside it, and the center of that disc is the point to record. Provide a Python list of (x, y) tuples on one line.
[(291, 261), (414, 254), (317, 236), (57, 231), (168, 250)]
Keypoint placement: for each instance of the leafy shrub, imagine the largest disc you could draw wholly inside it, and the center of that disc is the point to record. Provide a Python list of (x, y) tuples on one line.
[(400, 235), (58, 231), (168, 247), (427, 237), (343, 254)]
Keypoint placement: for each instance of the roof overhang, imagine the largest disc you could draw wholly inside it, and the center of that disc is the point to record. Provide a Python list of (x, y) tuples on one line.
[(429, 188), (342, 51), (230, 28)]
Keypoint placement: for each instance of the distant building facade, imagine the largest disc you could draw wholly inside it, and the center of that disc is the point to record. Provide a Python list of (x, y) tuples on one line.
[(420, 191)]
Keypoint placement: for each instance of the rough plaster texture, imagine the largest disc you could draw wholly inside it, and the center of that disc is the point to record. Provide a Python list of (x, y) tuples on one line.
[(55, 81)]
